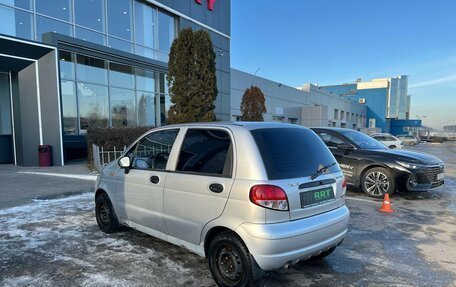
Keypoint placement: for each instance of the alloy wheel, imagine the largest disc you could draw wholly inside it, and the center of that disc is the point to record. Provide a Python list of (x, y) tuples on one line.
[(376, 183)]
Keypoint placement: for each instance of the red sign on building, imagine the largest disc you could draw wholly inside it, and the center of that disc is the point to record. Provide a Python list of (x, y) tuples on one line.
[(210, 4)]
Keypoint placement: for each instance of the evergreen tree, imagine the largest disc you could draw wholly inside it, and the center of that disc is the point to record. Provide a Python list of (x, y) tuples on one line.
[(191, 78), (253, 105)]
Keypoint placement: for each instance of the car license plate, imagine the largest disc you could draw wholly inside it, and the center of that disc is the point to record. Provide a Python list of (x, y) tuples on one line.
[(440, 176), (315, 197)]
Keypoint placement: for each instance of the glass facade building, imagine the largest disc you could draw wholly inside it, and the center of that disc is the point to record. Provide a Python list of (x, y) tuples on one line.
[(385, 98), (131, 26), (107, 66)]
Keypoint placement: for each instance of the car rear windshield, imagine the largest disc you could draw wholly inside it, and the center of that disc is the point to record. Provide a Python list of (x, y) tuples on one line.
[(292, 152)]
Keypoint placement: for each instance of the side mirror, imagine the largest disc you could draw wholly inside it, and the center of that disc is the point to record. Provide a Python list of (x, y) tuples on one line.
[(125, 163), (345, 147)]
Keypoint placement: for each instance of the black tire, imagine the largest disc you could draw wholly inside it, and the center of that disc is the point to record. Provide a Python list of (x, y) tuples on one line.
[(392, 146), (106, 217), (378, 181), (230, 262), (324, 254)]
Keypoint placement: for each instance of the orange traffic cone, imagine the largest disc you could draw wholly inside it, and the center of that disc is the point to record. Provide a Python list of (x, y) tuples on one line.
[(386, 206)]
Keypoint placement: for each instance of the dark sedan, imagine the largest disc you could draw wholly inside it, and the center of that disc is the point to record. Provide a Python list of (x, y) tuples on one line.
[(376, 169)]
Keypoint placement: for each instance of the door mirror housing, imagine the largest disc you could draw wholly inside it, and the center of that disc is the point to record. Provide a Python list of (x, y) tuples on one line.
[(125, 163), (345, 147)]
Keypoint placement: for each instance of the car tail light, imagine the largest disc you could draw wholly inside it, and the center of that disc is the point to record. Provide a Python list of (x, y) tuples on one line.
[(269, 196), (344, 186)]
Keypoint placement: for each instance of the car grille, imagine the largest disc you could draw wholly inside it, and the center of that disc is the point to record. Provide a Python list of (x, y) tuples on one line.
[(431, 173)]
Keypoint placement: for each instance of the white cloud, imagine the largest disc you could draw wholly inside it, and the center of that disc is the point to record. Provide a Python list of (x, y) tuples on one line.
[(441, 80)]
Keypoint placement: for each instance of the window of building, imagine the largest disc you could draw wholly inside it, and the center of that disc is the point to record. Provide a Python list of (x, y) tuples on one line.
[(120, 18), (23, 23), (153, 150), (45, 25), (165, 100), (146, 108), (91, 70), (67, 66), (206, 152), (91, 36), (93, 106), (90, 14), (60, 9), (166, 34), (121, 76), (145, 19), (145, 80), (24, 4), (119, 44), (342, 115), (123, 107), (69, 108), (372, 123), (336, 114)]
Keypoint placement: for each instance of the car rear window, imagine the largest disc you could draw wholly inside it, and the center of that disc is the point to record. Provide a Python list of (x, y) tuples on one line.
[(292, 152)]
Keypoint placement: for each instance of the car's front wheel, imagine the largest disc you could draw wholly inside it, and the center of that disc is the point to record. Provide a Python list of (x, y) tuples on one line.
[(106, 218), (230, 262), (378, 181)]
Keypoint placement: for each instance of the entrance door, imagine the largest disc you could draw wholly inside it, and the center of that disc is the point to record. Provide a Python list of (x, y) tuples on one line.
[(6, 139)]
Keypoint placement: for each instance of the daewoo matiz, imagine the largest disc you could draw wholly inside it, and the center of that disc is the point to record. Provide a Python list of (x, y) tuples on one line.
[(251, 197)]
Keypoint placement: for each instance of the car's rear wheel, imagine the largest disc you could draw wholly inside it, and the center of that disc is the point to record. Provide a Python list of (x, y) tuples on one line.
[(378, 181), (230, 262), (392, 146), (106, 217)]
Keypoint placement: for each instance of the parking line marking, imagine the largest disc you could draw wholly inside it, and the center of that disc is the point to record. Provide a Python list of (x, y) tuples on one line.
[(361, 199), (74, 176)]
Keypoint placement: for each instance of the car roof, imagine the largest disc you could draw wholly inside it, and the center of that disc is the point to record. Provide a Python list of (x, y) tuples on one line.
[(381, 134), (247, 125), (332, 129)]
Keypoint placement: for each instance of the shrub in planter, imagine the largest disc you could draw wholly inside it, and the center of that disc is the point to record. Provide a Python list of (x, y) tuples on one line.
[(110, 138)]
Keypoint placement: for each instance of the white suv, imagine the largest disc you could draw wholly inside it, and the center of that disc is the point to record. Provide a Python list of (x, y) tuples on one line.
[(388, 140), (251, 197)]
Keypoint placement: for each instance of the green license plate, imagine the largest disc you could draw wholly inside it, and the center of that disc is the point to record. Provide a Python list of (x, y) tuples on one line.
[(314, 197)]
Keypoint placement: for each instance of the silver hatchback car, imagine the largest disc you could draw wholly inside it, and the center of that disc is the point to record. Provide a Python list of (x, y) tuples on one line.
[(251, 197)]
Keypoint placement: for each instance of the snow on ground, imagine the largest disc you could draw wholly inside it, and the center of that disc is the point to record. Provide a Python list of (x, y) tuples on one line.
[(57, 242)]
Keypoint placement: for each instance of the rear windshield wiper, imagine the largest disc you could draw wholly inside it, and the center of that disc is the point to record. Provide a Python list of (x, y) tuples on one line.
[(321, 170)]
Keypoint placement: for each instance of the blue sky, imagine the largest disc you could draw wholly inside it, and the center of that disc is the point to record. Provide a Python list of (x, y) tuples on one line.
[(335, 41)]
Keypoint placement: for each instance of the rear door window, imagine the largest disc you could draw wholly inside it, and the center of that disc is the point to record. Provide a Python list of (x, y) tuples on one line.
[(206, 152), (292, 152)]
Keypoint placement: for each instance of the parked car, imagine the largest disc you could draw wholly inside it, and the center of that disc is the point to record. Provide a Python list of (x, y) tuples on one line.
[(251, 197), (376, 169), (388, 140), (409, 139)]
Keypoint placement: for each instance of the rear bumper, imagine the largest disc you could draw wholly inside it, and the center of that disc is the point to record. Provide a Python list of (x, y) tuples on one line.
[(274, 245)]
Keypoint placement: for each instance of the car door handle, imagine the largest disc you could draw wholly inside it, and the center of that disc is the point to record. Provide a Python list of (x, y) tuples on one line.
[(216, 187), (154, 179)]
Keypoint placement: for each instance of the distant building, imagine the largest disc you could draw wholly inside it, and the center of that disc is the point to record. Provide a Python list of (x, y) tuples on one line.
[(450, 129), (308, 105), (386, 99)]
